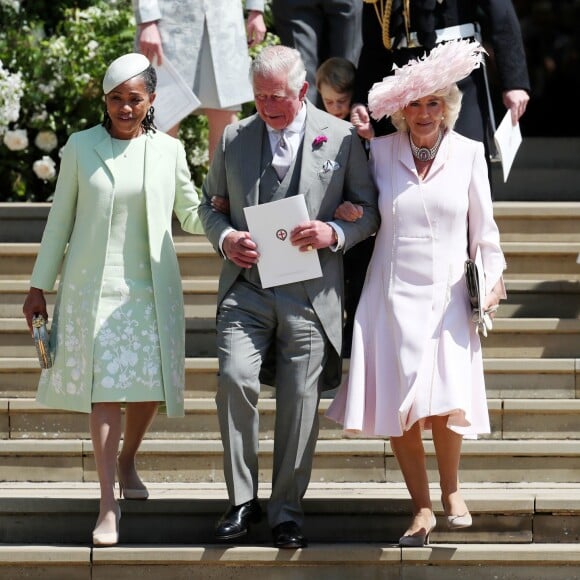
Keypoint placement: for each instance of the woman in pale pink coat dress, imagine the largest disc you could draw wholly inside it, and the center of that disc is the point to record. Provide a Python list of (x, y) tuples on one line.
[(416, 360)]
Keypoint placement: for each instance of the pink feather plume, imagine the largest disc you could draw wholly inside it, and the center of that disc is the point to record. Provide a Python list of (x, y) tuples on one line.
[(446, 64)]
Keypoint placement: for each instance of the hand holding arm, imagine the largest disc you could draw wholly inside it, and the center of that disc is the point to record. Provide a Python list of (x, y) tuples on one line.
[(35, 303), (516, 100), (348, 211), (149, 42)]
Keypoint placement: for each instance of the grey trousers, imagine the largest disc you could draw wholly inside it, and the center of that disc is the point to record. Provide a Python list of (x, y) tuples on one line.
[(249, 321)]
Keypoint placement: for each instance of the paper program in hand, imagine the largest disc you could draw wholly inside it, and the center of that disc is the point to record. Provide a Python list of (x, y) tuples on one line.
[(507, 140), (270, 225)]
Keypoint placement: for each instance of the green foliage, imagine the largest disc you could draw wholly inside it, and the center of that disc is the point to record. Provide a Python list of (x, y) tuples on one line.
[(61, 75), (53, 55)]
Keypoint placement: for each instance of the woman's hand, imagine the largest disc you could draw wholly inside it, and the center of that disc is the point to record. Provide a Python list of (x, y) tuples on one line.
[(220, 204), (255, 28), (491, 302), (35, 303), (348, 212), (149, 42)]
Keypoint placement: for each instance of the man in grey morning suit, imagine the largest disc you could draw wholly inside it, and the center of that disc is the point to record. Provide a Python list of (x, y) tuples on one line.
[(296, 326)]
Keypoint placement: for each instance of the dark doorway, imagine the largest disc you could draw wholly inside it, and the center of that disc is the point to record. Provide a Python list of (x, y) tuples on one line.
[(551, 31)]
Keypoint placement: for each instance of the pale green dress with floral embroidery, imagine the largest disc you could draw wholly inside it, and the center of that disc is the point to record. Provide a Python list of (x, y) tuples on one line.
[(127, 358)]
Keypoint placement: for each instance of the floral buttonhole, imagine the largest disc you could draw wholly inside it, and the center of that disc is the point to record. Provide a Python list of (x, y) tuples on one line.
[(318, 141)]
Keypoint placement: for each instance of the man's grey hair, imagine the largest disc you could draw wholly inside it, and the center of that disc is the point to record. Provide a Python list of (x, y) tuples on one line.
[(277, 59)]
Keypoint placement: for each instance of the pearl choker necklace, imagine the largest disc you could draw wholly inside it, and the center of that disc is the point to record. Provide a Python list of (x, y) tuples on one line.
[(424, 153)]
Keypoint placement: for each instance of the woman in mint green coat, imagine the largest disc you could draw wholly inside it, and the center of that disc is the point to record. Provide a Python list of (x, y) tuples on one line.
[(118, 330)]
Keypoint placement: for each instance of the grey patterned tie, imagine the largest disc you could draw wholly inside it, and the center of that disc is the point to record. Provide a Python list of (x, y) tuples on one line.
[(282, 158)]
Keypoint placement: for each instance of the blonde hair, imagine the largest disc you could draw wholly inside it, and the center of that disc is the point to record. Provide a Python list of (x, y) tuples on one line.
[(338, 73), (451, 99)]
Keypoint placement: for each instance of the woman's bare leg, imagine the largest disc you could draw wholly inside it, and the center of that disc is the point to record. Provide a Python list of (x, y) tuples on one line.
[(105, 427), (138, 418), (218, 120), (410, 455), (448, 450)]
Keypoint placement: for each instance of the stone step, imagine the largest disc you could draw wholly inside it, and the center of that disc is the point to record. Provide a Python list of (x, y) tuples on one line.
[(526, 298), (536, 259), (199, 297), (510, 338), (321, 561), (506, 378), (343, 460), (196, 258), (541, 299), (525, 419), (538, 221), (510, 515)]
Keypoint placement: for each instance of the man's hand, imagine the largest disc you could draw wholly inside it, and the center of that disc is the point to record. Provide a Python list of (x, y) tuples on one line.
[(149, 42), (359, 117), (240, 249), (255, 28), (313, 235), (516, 101)]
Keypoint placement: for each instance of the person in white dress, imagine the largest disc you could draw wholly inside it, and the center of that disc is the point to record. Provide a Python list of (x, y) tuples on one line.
[(416, 360)]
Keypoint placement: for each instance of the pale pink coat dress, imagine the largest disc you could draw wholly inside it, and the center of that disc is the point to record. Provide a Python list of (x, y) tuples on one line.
[(415, 351)]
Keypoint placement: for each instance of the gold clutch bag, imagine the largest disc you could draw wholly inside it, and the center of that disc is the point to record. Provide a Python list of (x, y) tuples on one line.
[(40, 335)]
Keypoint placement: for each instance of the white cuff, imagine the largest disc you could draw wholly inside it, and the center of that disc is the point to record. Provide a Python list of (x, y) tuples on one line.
[(340, 235), (221, 240)]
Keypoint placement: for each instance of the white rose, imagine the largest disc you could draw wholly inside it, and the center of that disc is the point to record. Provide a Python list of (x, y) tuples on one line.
[(46, 141), (16, 140), (44, 168)]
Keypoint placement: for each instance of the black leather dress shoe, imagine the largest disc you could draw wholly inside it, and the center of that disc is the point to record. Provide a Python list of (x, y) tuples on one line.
[(236, 521), (288, 535)]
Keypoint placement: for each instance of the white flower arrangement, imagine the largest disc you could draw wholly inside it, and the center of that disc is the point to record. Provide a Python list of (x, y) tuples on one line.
[(44, 168), (16, 140), (46, 141), (14, 4), (11, 91)]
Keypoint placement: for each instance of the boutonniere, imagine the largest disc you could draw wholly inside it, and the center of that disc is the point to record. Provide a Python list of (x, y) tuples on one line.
[(318, 141)]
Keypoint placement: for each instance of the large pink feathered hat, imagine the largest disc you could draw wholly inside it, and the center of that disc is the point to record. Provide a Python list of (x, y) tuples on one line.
[(446, 64)]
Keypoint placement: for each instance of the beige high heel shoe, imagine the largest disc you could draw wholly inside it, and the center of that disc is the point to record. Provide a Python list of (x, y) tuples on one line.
[(108, 538), (131, 493), (420, 539), (457, 522)]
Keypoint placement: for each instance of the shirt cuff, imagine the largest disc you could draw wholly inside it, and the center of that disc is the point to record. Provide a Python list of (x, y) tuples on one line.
[(221, 240), (339, 234)]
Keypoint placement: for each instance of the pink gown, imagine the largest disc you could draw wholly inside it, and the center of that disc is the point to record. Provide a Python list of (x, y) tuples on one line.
[(415, 351)]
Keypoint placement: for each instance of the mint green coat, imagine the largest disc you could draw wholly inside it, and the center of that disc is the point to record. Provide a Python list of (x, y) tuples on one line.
[(80, 218)]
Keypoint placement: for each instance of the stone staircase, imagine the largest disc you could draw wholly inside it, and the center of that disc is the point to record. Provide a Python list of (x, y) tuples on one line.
[(521, 482)]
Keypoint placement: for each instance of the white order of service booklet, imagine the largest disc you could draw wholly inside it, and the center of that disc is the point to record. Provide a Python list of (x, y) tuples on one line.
[(270, 225), (175, 100), (508, 139)]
